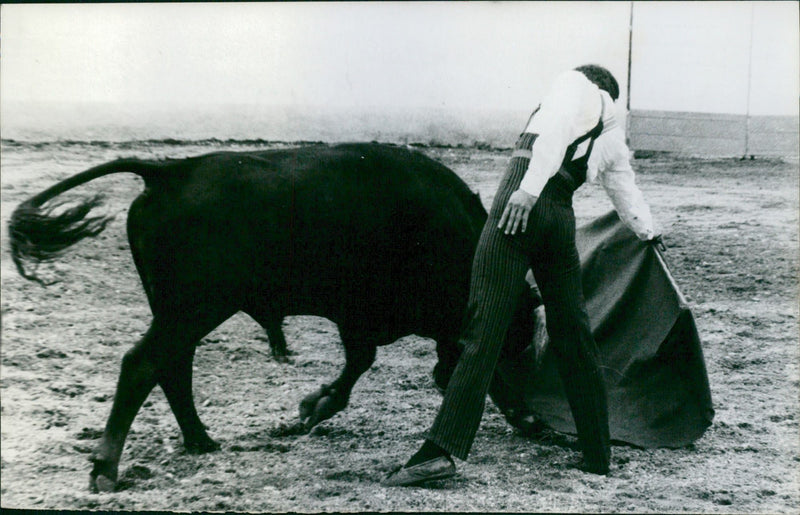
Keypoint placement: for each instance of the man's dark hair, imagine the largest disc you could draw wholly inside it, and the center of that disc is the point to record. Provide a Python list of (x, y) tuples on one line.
[(601, 77)]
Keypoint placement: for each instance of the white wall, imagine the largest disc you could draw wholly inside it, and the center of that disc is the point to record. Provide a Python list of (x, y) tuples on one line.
[(775, 74), (461, 54), (696, 57), (715, 78)]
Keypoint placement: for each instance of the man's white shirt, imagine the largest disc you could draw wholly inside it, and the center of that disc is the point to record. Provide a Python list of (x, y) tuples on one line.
[(571, 109)]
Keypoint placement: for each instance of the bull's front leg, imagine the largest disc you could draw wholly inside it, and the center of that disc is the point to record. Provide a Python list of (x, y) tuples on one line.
[(331, 399)]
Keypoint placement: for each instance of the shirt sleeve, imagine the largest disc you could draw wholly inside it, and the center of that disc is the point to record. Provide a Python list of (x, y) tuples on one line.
[(611, 157), (571, 109)]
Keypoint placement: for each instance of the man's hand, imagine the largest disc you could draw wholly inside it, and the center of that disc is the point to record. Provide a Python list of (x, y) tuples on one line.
[(518, 209)]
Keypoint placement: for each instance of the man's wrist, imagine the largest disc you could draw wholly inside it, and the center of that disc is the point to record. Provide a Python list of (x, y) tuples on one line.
[(528, 191)]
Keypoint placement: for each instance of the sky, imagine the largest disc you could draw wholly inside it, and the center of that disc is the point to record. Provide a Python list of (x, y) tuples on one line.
[(484, 55)]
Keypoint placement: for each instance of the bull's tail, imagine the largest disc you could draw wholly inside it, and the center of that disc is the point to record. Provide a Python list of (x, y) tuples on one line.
[(38, 233)]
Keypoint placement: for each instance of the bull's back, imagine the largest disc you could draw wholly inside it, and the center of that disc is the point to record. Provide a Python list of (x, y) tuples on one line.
[(358, 230)]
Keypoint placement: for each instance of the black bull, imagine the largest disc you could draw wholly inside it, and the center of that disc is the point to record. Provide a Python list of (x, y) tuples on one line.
[(376, 238)]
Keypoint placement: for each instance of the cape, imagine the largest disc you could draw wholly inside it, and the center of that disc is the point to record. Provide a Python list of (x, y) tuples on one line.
[(655, 373)]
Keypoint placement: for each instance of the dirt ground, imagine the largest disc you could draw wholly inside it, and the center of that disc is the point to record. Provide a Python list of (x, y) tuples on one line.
[(732, 228)]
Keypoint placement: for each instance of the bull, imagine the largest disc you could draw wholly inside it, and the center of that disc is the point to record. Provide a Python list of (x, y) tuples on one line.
[(377, 238)]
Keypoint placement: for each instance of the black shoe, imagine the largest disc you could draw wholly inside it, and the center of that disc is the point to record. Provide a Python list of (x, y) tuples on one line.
[(437, 468)]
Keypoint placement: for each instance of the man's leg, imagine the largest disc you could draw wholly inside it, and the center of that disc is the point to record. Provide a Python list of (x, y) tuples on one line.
[(577, 355), (498, 280), (496, 283)]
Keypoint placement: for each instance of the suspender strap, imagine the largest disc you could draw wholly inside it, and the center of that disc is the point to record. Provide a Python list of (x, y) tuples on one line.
[(522, 152)]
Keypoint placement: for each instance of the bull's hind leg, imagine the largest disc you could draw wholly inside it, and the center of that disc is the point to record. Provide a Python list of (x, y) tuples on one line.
[(137, 377), (330, 399), (177, 385), (163, 356)]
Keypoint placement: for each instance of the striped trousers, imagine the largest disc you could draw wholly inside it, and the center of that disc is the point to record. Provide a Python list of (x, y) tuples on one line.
[(501, 261)]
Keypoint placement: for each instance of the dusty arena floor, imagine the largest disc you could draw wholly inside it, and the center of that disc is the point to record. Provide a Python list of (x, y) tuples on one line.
[(732, 228)]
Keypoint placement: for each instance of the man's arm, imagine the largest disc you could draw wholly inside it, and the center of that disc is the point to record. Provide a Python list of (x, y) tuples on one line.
[(618, 179)]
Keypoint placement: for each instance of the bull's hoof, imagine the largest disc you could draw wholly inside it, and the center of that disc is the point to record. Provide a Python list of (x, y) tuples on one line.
[(282, 356), (101, 484), (320, 405), (201, 446), (103, 477), (526, 422), (599, 467), (309, 402)]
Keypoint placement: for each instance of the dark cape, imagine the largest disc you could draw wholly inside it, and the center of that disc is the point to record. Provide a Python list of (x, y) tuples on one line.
[(655, 374)]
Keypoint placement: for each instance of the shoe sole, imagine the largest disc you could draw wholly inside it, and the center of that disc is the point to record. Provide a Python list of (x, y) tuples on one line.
[(445, 474)]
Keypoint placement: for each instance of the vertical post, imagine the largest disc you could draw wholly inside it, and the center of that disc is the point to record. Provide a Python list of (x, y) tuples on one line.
[(749, 83), (628, 90)]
